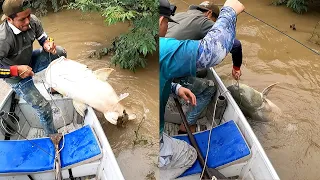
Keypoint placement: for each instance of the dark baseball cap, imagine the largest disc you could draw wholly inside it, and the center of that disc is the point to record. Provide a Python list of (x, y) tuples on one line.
[(166, 10), (206, 6), (10, 7)]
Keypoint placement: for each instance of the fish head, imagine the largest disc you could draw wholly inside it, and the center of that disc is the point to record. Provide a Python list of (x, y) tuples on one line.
[(253, 103), (122, 120), (246, 97), (120, 116)]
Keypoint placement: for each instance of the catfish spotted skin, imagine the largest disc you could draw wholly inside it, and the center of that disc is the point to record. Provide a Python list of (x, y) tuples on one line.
[(254, 104)]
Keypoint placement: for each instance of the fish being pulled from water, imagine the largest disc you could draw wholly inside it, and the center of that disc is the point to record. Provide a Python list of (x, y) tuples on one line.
[(87, 88), (254, 104)]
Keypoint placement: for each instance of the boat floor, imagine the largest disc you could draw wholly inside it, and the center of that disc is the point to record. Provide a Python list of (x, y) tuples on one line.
[(173, 119), (39, 132), (172, 128), (91, 177)]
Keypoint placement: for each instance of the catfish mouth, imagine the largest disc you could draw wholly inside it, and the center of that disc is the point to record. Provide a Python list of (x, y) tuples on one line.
[(116, 119), (121, 121)]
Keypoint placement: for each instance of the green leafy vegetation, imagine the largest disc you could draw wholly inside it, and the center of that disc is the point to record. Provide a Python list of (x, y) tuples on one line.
[(130, 49), (299, 6)]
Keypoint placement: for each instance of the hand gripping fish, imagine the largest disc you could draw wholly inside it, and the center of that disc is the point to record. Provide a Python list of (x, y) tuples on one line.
[(87, 88)]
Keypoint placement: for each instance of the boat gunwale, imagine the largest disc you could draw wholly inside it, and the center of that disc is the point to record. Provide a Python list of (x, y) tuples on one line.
[(244, 121)]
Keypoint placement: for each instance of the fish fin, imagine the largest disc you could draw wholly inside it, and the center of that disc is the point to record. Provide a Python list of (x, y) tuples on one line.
[(112, 117), (123, 95), (266, 91), (132, 117), (80, 107), (103, 74)]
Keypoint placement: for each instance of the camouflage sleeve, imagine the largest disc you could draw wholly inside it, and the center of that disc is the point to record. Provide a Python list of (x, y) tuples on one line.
[(214, 47), (174, 88)]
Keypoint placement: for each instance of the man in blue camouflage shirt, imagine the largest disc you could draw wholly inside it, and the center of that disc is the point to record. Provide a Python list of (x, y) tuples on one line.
[(195, 24), (180, 58)]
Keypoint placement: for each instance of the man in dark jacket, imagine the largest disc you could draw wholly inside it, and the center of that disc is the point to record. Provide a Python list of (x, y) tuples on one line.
[(18, 61)]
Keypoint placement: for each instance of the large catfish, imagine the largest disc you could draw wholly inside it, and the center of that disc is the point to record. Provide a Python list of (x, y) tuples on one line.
[(254, 104), (86, 88)]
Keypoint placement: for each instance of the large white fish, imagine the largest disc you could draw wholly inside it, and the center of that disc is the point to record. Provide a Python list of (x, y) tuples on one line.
[(85, 87)]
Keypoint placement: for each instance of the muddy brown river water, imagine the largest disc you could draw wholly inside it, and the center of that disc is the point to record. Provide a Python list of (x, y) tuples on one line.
[(291, 142)]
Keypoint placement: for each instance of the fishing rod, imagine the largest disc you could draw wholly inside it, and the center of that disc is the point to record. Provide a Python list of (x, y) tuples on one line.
[(208, 173)]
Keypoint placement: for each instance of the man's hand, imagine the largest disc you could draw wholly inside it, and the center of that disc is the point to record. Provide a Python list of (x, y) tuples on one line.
[(24, 71), (50, 47), (237, 6), (236, 73), (187, 95)]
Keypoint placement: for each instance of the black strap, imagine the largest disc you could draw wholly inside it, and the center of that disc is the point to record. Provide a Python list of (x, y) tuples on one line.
[(70, 174)]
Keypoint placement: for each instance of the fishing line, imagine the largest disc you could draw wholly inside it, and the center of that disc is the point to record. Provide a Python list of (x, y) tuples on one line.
[(282, 33), (278, 30), (50, 95)]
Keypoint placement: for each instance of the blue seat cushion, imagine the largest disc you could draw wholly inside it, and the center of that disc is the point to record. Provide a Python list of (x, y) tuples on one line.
[(18, 156), (79, 145), (226, 145)]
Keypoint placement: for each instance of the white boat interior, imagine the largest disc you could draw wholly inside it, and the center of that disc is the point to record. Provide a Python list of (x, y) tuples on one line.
[(84, 149), (234, 148)]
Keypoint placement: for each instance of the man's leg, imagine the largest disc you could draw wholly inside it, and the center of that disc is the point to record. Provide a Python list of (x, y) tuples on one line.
[(204, 93), (41, 59), (27, 90), (33, 97), (175, 157), (203, 100)]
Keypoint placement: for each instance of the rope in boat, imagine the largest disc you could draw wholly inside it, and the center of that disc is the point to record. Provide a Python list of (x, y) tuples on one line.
[(213, 120), (64, 121), (17, 132), (3, 126)]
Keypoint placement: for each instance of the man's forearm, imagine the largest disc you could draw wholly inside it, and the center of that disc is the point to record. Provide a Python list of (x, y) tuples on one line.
[(236, 52), (218, 42)]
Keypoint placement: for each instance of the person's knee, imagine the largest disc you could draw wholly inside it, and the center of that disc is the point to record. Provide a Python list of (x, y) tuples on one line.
[(61, 51), (44, 107)]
